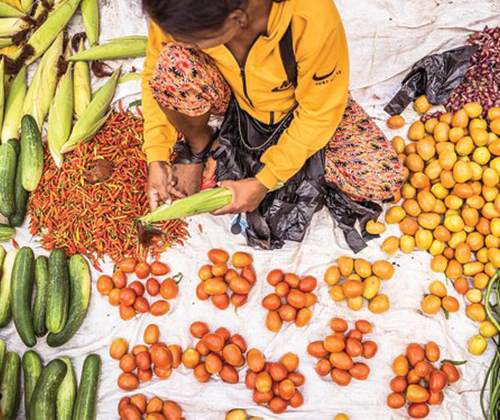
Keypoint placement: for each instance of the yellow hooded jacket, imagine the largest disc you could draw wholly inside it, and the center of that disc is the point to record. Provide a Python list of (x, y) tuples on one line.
[(322, 57)]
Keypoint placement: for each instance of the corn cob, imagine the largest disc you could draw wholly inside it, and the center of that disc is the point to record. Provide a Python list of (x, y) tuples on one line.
[(27, 6), (128, 47), (57, 20), (43, 85), (2, 90), (11, 26), (82, 85), (94, 116), (90, 14), (14, 107), (61, 116), (6, 10)]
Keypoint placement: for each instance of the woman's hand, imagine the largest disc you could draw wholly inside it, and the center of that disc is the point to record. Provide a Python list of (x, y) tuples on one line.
[(247, 195), (161, 184)]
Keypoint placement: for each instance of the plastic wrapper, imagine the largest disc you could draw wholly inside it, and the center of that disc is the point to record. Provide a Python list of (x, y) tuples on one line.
[(436, 76)]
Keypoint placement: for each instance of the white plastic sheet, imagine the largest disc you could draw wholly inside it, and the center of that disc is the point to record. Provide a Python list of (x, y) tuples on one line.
[(386, 37)]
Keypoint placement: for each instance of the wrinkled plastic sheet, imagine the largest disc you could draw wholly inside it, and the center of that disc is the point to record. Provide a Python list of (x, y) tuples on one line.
[(386, 38)]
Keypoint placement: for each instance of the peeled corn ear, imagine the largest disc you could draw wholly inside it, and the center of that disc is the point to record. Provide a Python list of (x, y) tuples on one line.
[(82, 85), (14, 107), (119, 48), (6, 10), (95, 115), (90, 14)]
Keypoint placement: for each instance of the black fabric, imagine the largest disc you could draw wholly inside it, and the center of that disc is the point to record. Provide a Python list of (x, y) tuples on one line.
[(436, 76), (288, 56), (185, 156)]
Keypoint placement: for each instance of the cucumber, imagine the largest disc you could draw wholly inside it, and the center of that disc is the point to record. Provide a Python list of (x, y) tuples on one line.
[(3, 349), (80, 286), (39, 307), (67, 392), (6, 233), (57, 292), (32, 369), (10, 389), (20, 199), (44, 398), (16, 145), (86, 399), (2, 257), (22, 289), (5, 288), (31, 153), (8, 162)]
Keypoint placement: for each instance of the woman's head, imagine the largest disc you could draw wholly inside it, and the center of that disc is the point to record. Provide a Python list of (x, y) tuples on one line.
[(206, 23)]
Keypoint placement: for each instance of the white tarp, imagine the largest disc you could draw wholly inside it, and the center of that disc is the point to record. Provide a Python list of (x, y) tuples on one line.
[(385, 37)]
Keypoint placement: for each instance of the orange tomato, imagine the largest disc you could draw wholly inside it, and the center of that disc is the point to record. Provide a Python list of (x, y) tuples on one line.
[(159, 308), (169, 289), (142, 270), (119, 279), (415, 353), (218, 256)]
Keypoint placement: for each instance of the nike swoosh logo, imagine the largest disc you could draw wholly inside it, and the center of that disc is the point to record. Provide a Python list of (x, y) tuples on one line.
[(317, 78)]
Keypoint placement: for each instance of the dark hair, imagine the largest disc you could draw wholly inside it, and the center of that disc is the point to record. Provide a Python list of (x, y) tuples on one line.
[(186, 17)]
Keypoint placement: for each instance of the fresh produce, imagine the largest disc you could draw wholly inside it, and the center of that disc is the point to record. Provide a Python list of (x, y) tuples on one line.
[(137, 406), (81, 82), (3, 349), (6, 288), (23, 275), (90, 14), (417, 380), (80, 286), (20, 196), (451, 206), (6, 10), (31, 159), (119, 48), (140, 364), (292, 300), (58, 292), (32, 369), (8, 162), (86, 398), (14, 107), (438, 299), (66, 393), (239, 414), (336, 353), (130, 297), (216, 353), (355, 280), (6, 233), (40, 303), (396, 122), (43, 403), (94, 219), (275, 384), (10, 387), (224, 285)]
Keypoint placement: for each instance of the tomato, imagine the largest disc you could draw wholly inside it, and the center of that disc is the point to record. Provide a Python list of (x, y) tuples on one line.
[(119, 279), (104, 285), (159, 269), (169, 289), (137, 287), (126, 312), (153, 287), (141, 305), (127, 296), (160, 307), (417, 394), (142, 270), (127, 265)]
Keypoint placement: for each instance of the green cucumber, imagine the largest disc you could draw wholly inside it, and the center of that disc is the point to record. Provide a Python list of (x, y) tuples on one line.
[(67, 392), (10, 388), (8, 162), (32, 369), (86, 399), (31, 153), (23, 275), (20, 198), (5, 289), (2, 257), (44, 399), (6, 233), (80, 286), (40, 305), (16, 145), (3, 350), (57, 292)]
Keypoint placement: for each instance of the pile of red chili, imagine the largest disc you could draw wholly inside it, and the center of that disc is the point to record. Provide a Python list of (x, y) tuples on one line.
[(79, 214)]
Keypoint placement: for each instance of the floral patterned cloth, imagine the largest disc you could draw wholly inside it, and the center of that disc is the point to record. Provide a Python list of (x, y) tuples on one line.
[(359, 158)]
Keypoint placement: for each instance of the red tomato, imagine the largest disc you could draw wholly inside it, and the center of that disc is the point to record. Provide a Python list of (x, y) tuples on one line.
[(159, 269), (127, 265), (142, 270)]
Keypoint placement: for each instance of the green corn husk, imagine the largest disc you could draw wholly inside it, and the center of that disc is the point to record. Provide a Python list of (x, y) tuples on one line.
[(82, 85), (61, 116), (27, 6), (123, 79), (114, 49), (57, 20), (11, 26), (2, 90), (90, 14), (14, 107), (6, 42), (203, 202), (43, 86), (6, 10), (94, 116)]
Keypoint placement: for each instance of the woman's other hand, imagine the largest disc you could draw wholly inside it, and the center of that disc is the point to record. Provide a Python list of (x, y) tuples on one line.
[(247, 195), (161, 184)]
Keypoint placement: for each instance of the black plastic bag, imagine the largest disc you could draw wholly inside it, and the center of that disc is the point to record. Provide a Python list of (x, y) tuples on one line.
[(436, 76), (286, 213)]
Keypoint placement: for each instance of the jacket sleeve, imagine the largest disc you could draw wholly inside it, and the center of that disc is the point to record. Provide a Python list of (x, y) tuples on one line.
[(321, 94), (160, 135)]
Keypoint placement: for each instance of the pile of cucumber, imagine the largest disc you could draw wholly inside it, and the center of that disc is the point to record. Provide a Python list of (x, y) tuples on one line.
[(50, 392), (62, 295), (21, 166)]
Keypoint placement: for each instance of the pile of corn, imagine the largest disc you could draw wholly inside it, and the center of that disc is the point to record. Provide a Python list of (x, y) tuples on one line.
[(60, 90), (451, 206)]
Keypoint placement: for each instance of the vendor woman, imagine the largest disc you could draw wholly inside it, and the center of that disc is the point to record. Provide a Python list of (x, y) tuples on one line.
[(278, 71)]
